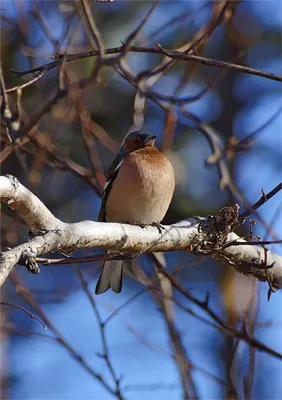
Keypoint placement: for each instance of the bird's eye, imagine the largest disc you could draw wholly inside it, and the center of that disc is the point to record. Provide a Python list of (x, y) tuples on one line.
[(136, 140)]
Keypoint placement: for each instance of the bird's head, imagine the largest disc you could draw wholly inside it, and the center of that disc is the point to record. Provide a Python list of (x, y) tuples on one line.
[(137, 140)]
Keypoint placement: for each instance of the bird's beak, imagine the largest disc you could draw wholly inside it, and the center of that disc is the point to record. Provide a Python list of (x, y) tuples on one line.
[(150, 141)]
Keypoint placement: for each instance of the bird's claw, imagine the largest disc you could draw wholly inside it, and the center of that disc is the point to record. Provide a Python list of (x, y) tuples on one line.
[(143, 226), (158, 226)]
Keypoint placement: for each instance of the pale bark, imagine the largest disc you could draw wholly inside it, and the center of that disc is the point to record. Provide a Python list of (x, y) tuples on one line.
[(198, 235)]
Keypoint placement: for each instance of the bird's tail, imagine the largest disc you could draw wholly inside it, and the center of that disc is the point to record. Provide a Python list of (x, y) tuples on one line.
[(111, 277)]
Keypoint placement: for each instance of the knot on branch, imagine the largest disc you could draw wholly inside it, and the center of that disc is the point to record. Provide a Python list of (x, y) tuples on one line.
[(28, 259), (14, 181), (213, 230), (227, 219)]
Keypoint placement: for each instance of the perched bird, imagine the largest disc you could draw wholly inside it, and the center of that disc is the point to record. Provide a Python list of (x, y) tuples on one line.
[(139, 189)]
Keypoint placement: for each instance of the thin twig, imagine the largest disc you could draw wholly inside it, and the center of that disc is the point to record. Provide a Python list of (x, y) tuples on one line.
[(7, 303), (252, 243), (221, 64), (86, 259), (136, 31), (31, 82), (166, 302), (214, 142), (5, 107), (249, 138), (94, 34), (105, 354), (205, 306), (150, 50), (28, 297), (264, 198)]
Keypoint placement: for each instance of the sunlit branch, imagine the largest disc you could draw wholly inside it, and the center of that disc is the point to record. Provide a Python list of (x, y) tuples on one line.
[(204, 236)]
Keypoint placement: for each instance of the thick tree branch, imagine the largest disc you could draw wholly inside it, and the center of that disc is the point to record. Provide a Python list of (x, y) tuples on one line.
[(198, 235), (27, 205)]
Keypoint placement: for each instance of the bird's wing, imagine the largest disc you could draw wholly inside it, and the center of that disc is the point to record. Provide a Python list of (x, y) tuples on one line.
[(111, 177)]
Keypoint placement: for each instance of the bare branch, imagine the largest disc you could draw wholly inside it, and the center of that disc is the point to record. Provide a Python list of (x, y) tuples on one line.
[(5, 109), (166, 303), (105, 354), (7, 303), (28, 83), (93, 32), (264, 198), (151, 50), (29, 298), (221, 64), (198, 235), (136, 31), (204, 304)]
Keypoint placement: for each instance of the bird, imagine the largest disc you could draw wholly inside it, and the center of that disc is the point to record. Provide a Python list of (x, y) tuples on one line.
[(138, 190)]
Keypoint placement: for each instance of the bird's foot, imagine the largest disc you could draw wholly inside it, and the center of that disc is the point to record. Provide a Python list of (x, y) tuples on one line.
[(131, 256), (158, 226), (143, 226)]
